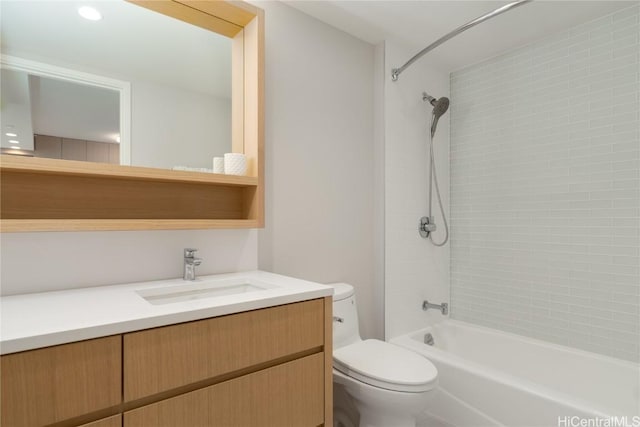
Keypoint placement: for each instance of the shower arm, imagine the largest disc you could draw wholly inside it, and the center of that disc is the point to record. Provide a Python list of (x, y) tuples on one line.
[(395, 73)]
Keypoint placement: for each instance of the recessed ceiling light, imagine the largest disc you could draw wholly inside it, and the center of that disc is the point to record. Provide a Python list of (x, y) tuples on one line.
[(90, 13), (11, 134), (13, 141)]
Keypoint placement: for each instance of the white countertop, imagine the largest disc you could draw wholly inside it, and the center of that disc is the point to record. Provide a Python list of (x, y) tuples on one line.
[(50, 318)]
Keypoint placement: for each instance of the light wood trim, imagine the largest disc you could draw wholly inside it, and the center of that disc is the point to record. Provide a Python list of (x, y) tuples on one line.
[(328, 361), (254, 92), (52, 384), (189, 13), (165, 358), (32, 225), (59, 196), (115, 421), (236, 12), (88, 169), (290, 394), (254, 112)]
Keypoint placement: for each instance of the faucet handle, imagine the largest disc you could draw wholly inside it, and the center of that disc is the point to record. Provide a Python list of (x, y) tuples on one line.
[(189, 252)]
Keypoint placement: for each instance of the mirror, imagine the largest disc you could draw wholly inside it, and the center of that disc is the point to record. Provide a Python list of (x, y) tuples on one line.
[(136, 87)]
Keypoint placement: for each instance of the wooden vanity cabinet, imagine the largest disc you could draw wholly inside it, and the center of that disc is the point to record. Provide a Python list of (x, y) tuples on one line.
[(267, 367), (161, 359), (289, 394), (53, 384), (114, 421)]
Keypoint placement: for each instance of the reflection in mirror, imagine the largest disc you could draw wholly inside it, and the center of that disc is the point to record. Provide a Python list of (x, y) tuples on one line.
[(179, 76), (58, 119)]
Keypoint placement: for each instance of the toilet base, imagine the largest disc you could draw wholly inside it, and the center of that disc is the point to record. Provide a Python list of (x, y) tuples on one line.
[(345, 412), (379, 407), (373, 417)]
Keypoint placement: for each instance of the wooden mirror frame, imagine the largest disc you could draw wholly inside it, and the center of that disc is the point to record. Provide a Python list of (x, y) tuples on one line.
[(39, 194)]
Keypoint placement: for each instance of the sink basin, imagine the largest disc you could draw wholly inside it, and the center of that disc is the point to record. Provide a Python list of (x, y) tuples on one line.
[(205, 289)]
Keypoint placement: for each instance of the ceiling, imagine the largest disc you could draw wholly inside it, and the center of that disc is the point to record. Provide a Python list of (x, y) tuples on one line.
[(130, 43), (417, 24)]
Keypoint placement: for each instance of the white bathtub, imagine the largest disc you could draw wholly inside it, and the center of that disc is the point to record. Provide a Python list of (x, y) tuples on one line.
[(510, 380)]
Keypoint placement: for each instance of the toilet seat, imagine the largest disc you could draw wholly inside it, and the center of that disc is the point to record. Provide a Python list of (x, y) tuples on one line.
[(385, 365)]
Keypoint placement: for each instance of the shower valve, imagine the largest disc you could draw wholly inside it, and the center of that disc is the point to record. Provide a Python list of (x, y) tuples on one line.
[(427, 226)]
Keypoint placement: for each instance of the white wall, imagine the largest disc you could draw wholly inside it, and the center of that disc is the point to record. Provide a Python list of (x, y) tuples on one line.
[(545, 202), (15, 110), (414, 269), (38, 262), (319, 154), (175, 127), (379, 77)]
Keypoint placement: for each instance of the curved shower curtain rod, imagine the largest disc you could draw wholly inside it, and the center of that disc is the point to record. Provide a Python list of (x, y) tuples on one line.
[(397, 71)]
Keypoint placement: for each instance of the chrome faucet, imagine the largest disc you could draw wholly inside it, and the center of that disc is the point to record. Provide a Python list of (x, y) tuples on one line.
[(190, 264), (444, 307)]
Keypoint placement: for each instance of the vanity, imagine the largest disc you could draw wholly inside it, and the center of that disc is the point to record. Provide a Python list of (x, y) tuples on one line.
[(237, 349)]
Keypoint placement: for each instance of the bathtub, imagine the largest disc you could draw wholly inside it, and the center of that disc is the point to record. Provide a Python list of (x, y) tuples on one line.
[(493, 378)]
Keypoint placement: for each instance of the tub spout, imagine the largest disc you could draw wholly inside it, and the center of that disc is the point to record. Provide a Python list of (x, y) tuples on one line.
[(428, 339), (444, 307)]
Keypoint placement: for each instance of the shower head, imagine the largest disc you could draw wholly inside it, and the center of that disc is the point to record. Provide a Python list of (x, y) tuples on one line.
[(440, 106)]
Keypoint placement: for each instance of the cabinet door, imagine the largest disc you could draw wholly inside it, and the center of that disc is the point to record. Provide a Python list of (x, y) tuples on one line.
[(54, 384), (166, 358), (49, 147), (74, 149), (291, 394), (115, 421), (97, 152), (114, 154)]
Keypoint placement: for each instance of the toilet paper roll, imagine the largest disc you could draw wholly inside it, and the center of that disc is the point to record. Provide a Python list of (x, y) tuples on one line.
[(218, 165), (235, 164)]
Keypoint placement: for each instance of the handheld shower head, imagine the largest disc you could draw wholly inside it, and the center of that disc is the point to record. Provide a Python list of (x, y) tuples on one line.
[(440, 106)]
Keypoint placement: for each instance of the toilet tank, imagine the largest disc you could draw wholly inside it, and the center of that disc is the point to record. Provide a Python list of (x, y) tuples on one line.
[(345, 316)]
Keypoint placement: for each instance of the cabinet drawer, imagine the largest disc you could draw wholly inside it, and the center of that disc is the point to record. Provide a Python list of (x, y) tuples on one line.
[(53, 384), (115, 421), (291, 394), (165, 358)]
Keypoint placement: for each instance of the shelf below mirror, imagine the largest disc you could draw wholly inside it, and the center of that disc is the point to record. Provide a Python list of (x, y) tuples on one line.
[(56, 195)]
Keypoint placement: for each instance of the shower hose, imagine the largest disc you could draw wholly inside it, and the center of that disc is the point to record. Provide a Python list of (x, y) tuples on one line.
[(433, 179)]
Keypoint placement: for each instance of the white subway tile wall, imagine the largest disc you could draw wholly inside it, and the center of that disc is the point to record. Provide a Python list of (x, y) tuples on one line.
[(545, 189)]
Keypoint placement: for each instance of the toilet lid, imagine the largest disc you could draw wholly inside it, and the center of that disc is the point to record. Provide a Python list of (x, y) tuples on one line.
[(386, 365), (341, 291)]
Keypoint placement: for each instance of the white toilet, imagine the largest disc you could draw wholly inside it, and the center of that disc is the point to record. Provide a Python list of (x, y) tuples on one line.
[(389, 385)]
